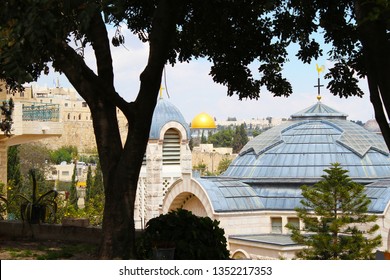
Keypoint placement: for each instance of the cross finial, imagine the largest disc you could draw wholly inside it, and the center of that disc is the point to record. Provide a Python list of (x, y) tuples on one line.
[(318, 86)]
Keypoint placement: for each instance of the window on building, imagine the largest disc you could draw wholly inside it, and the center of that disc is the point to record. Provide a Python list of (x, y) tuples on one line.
[(144, 160), (84, 104), (22, 94), (68, 116), (293, 221), (276, 225), (66, 104), (79, 116), (54, 172), (171, 147), (65, 173)]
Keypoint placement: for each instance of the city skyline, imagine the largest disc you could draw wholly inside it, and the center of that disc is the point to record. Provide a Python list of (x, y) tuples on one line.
[(189, 87)]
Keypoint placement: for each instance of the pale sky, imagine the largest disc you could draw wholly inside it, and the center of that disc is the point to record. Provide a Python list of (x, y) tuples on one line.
[(193, 91)]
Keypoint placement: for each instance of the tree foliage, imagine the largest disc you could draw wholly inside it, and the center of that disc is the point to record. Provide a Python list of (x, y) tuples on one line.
[(73, 195), (89, 184), (223, 165), (234, 36), (33, 156), (336, 222), (97, 187), (14, 176), (235, 138), (194, 238), (64, 153), (240, 138), (222, 138), (358, 33)]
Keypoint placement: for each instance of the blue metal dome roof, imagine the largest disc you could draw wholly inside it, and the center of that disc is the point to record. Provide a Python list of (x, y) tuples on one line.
[(300, 149), (163, 113), (230, 195)]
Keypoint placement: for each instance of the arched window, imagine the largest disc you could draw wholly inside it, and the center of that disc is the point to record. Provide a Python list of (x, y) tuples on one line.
[(171, 147), (68, 116), (79, 116)]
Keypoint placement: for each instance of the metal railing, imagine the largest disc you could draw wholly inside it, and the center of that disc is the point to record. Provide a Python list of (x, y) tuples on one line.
[(41, 112)]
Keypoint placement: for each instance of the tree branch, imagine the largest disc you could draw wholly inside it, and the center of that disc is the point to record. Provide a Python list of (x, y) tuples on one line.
[(161, 38), (97, 33), (378, 108)]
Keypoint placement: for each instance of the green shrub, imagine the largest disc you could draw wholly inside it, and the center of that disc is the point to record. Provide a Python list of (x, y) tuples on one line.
[(194, 238)]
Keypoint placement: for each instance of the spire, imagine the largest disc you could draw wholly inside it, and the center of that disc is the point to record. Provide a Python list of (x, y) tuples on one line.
[(318, 86)]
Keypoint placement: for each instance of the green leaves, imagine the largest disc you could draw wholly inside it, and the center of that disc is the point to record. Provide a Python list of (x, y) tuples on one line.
[(343, 81), (332, 211), (194, 238)]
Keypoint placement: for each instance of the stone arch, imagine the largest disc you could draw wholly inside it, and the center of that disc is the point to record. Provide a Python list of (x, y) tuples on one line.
[(240, 254), (188, 195), (174, 125)]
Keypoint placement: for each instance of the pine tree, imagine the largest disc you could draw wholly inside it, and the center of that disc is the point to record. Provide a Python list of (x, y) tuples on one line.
[(333, 209)]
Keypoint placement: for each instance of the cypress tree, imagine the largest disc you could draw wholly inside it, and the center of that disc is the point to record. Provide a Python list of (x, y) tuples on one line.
[(73, 191), (14, 175), (89, 183), (98, 187)]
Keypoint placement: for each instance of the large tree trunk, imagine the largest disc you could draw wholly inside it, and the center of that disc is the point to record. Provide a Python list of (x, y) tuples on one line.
[(376, 50), (120, 164)]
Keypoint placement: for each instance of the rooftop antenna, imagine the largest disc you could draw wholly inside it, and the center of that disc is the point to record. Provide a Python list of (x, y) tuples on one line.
[(165, 82), (318, 86)]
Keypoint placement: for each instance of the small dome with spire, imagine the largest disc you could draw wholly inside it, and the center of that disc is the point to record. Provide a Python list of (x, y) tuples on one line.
[(166, 112)]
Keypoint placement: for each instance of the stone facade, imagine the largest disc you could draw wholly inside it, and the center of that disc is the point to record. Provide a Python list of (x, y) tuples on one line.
[(24, 128), (75, 116), (156, 176), (249, 232)]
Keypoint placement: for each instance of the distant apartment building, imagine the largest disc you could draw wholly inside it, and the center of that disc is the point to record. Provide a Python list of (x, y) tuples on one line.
[(253, 123), (74, 114)]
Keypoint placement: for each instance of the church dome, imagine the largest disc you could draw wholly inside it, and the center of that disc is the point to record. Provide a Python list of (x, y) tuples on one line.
[(300, 149), (203, 121), (164, 113)]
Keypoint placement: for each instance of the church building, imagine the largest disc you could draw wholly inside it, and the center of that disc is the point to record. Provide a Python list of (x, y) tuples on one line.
[(255, 197), (167, 158)]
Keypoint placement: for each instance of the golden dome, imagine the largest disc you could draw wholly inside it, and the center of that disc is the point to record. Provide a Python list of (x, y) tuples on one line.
[(203, 121)]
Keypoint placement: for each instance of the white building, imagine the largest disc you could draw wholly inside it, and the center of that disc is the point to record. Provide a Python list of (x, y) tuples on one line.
[(167, 158), (255, 198)]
